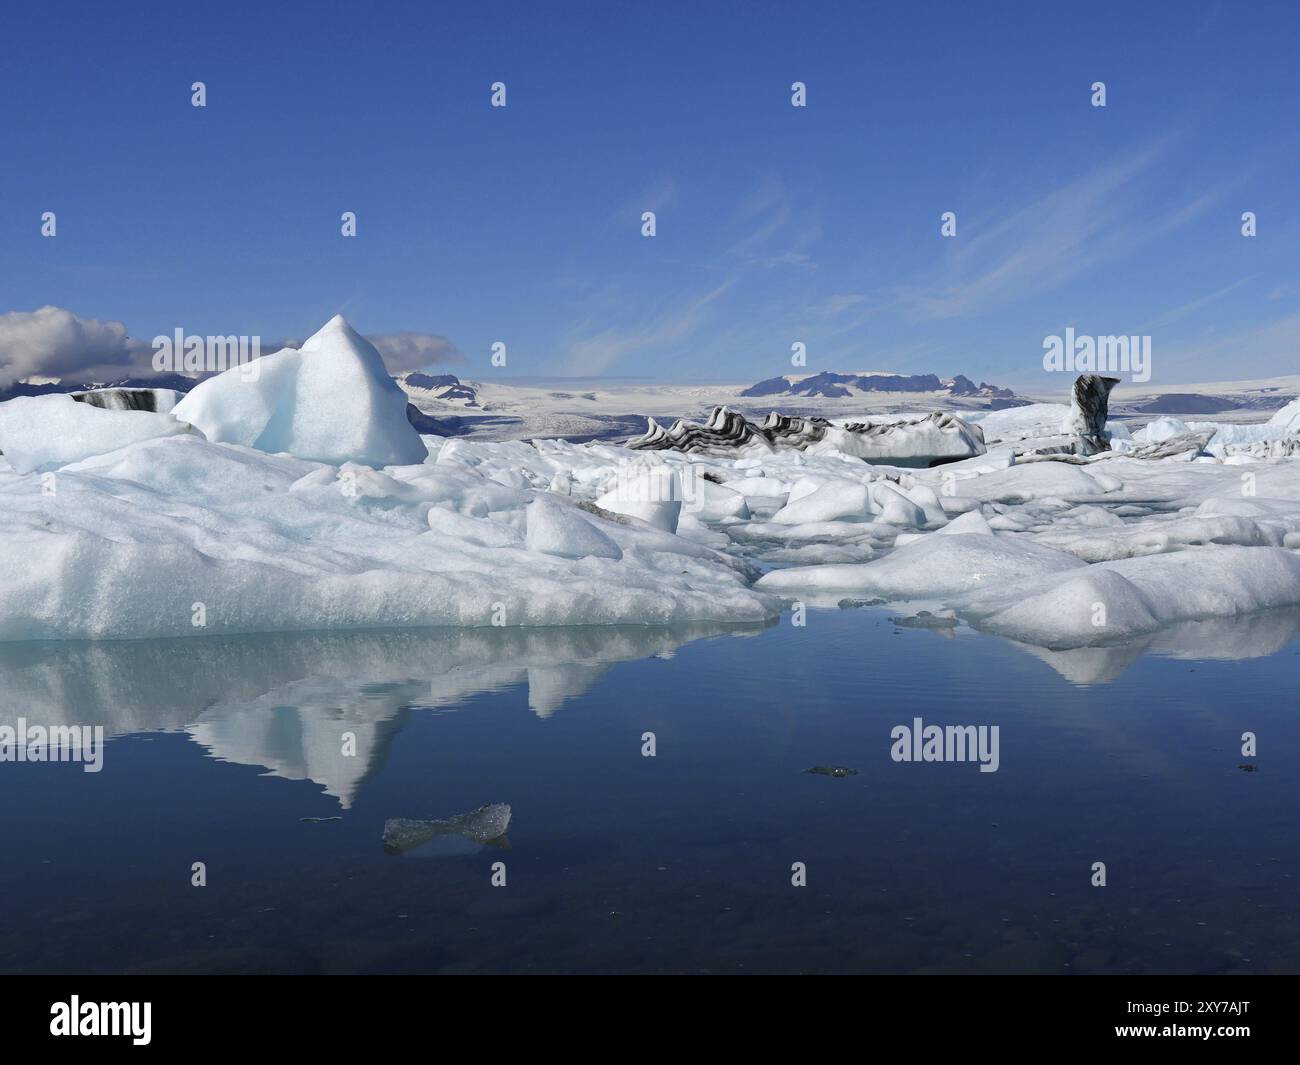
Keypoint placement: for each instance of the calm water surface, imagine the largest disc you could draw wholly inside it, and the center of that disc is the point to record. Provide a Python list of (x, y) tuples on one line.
[(219, 748)]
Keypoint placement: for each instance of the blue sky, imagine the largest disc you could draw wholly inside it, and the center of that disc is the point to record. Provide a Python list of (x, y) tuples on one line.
[(775, 224)]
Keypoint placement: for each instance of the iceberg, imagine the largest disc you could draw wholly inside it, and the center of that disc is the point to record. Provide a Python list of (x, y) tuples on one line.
[(930, 441), (300, 498), (1086, 422), (918, 441), (1114, 601), (558, 529), (41, 433), (331, 400), (928, 567), (835, 501), (180, 536)]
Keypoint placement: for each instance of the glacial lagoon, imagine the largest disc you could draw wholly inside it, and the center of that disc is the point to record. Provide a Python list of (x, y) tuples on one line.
[(230, 752)]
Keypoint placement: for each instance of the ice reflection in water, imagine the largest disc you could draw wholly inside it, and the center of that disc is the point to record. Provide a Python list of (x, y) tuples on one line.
[(618, 862), (286, 701)]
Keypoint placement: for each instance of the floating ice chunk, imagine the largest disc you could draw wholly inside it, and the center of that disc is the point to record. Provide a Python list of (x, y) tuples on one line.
[(760, 487), (487, 824), (332, 401), (559, 529), (663, 514), (1161, 429), (834, 501), (928, 500), (919, 442), (510, 478), (652, 494), (804, 486), (1118, 600), (929, 567), (1017, 423), (894, 507), (717, 503), (1252, 507), (1288, 418), (1086, 608), (1095, 517), (970, 522), (819, 554), (1278, 437), (47, 432), (958, 504), (271, 543), (1034, 480)]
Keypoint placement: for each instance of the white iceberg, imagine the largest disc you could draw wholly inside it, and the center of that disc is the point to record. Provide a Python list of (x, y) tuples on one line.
[(1115, 601), (930, 566), (39, 433), (834, 501), (184, 537), (284, 522), (331, 400), (559, 529)]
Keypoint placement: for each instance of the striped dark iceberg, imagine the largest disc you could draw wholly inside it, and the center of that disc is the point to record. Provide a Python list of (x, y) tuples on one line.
[(929, 441)]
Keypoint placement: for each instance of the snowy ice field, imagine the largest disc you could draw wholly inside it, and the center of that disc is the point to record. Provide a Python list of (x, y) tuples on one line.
[(305, 500)]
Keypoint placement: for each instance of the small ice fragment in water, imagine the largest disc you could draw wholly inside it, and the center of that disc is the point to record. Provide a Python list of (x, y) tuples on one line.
[(926, 620), (832, 771), (318, 820), (487, 824)]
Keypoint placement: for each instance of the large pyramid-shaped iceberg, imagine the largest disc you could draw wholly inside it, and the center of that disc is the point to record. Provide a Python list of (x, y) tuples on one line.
[(332, 400)]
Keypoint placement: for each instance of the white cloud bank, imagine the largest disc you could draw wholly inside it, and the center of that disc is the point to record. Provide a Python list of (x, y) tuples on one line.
[(55, 342)]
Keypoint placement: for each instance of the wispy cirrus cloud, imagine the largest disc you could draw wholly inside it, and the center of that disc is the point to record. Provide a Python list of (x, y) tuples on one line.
[(669, 326), (657, 194), (1176, 314), (1264, 349), (773, 231), (765, 232), (1097, 218)]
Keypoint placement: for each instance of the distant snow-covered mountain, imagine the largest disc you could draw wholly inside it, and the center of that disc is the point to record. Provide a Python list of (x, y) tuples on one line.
[(830, 385), (446, 386)]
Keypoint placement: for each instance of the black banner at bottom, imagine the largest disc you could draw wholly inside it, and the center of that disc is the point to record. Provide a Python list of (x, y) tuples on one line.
[(148, 1013)]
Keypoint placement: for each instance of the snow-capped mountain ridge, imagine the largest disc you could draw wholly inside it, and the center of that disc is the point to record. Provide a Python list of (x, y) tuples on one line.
[(830, 384)]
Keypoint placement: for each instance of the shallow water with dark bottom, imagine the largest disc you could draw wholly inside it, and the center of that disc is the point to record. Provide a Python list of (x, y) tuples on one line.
[(232, 752)]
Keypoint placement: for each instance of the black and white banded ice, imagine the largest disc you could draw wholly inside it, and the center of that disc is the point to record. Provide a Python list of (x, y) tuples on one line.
[(916, 442)]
